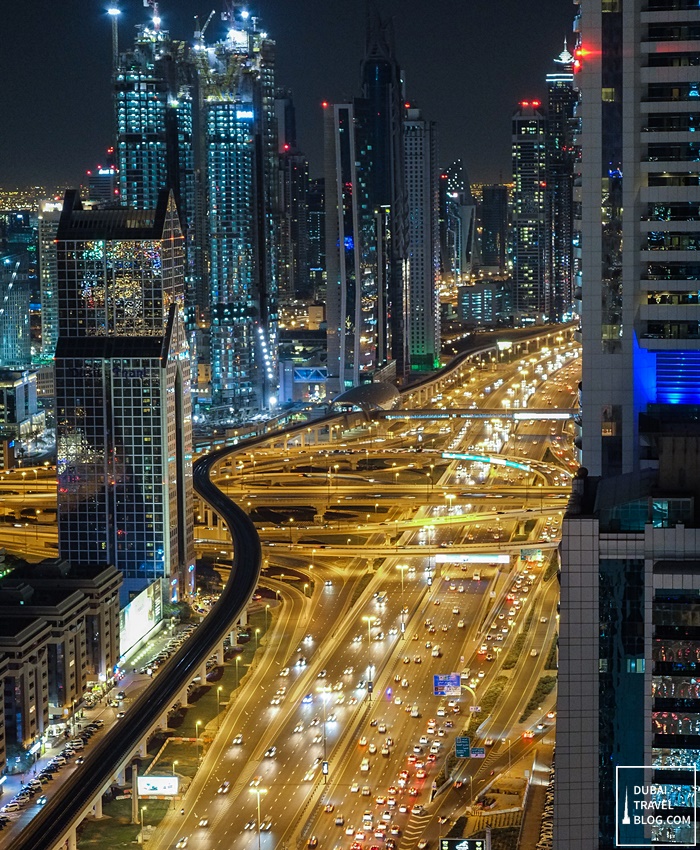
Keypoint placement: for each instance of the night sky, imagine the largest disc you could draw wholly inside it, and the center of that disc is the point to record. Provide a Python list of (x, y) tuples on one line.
[(466, 65)]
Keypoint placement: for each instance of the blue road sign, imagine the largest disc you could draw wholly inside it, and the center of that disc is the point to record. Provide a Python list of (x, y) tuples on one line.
[(462, 748), (449, 685)]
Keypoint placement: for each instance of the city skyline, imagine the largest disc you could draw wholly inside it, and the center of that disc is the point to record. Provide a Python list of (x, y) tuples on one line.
[(69, 133)]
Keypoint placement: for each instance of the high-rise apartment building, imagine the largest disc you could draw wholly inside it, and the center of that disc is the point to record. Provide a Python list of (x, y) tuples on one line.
[(122, 395), (241, 174), (15, 299), (531, 289), (561, 160), (420, 161), (628, 699)]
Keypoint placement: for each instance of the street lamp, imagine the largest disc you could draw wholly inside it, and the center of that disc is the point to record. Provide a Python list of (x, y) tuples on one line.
[(257, 632), (369, 621), (306, 587), (258, 792), (291, 520), (196, 732), (324, 694), (267, 616), (218, 705), (174, 765), (143, 809), (238, 658), (402, 569)]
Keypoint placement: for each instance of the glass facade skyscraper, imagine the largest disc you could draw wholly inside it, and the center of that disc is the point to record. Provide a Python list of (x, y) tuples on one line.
[(241, 166), (124, 441)]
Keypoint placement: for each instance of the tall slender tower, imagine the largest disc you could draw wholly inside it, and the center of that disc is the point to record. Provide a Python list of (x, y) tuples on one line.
[(531, 290), (420, 158), (124, 440), (383, 91), (561, 159), (241, 166), (628, 639)]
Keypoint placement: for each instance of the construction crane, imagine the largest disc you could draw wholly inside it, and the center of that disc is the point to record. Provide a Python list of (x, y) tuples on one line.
[(199, 31)]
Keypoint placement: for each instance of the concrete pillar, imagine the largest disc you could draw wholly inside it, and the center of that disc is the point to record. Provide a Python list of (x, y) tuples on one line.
[(243, 621), (232, 637), (220, 654), (72, 839), (134, 792), (98, 806), (203, 672), (120, 778)]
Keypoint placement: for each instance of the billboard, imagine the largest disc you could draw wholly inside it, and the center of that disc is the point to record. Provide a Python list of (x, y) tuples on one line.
[(158, 786), (141, 614), (462, 844), (449, 685)]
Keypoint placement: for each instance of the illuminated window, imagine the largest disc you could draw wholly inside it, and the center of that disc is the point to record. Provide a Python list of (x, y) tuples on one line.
[(608, 95)]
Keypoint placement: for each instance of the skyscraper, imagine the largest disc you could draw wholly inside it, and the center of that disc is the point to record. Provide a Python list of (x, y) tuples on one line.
[(561, 157), (293, 205), (493, 221), (367, 232), (531, 289), (628, 642), (48, 281), (241, 167), (457, 224), (355, 290), (420, 159), (122, 395)]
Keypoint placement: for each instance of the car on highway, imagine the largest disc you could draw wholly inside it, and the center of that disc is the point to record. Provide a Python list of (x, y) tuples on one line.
[(182, 842), (224, 788), (271, 752)]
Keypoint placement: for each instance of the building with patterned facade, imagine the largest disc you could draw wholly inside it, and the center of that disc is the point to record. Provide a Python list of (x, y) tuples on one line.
[(122, 395)]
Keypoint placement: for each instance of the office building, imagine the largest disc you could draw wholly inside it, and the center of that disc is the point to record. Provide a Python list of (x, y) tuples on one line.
[(122, 395), (531, 288), (479, 303), (493, 229), (48, 283), (15, 299), (239, 125), (630, 582), (420, 161), (561, 162)]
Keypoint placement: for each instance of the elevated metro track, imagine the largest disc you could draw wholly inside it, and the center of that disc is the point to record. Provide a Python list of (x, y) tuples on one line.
[(67, 806)]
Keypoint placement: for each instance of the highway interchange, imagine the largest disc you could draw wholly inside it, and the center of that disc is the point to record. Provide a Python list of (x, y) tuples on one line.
[(382, 517), (385, 502)]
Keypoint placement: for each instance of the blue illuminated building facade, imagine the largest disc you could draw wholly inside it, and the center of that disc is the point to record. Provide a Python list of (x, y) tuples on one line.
[(629, 636), (122, 372), (241, 172)]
